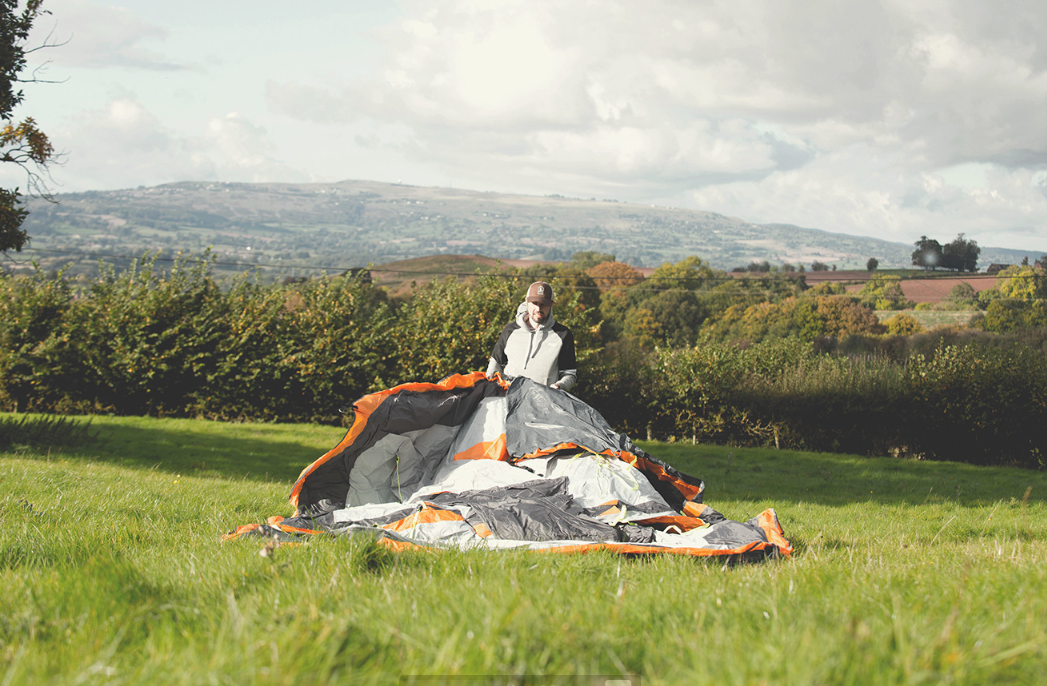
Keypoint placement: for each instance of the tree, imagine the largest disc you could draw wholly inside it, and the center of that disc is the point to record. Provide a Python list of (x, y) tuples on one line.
[(690, 273), (872, 264), (963, 295), (614, 275), (570, 285), (903, 325), (961, 255), (21, 143), (928, 253), (587, 259), (818, 266), (643, 326), (1022, 283), (1012, 315), (806, 318), (679, 314), (884, 292), (827, 288)]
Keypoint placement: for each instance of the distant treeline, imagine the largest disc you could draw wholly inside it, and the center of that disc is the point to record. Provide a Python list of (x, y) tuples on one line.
[(688, 353)]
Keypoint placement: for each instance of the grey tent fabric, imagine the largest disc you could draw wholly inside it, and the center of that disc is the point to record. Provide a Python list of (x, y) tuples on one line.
[(539, 510), (450, 465)]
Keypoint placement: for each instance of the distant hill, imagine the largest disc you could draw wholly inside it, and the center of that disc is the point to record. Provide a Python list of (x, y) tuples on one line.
[(297, 229)]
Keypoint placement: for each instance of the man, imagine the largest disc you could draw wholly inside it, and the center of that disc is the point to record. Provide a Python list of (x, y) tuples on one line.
[(535, 345)]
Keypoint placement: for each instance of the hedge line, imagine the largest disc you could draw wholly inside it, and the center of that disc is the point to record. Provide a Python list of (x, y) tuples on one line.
[(968, 402), (175, 344)]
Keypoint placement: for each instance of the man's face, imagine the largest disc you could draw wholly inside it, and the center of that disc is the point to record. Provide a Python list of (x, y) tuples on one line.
[(539, 313)]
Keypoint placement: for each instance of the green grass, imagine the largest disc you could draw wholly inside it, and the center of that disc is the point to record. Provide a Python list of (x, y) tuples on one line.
[(114, 572), (930, 319)]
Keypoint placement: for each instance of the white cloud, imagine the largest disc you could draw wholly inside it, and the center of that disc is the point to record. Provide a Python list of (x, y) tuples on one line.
[(860, 190), (95, 35), (243, 152), (125, 145), (861, 117), (540, 81)]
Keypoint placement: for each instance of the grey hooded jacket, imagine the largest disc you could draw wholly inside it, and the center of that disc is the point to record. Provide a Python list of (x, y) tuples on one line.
[(545, 354)]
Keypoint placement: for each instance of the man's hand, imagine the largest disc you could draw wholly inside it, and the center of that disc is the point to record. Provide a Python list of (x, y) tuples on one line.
[(554, 385)]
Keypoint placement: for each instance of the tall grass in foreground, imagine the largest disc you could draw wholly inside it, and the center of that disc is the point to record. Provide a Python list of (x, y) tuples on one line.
[(905, 572)]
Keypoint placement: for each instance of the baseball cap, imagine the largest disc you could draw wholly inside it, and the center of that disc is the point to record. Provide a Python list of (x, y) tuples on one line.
[(540, 292)]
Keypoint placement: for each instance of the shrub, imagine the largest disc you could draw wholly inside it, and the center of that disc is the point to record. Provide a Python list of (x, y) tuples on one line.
[(1024, 283), (968, 401), (1012, 315), (620, 383), (298, 352), (830, 403), (610, 275), (148, 341), (172, 343), (884, 292), (809, 372), (447, 326), (38, 359), (805, 317), (962, 296), (978, 404), (903, 325), (828, 288)]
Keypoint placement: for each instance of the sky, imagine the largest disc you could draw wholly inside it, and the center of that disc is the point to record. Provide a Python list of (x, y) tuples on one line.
[(893, 119)]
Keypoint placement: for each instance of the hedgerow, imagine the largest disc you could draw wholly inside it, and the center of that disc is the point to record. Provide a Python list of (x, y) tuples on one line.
[(172, 343), (175, 343), (970, 402)]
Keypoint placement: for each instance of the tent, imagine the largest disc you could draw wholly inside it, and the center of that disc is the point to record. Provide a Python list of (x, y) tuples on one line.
[(472, 462)]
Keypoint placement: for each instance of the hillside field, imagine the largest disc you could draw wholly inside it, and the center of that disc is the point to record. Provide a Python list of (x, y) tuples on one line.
[(296, 230), (917, 285), (115, 573)]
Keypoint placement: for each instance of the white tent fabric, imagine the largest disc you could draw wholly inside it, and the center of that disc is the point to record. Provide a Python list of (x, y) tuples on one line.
[(473, 463)]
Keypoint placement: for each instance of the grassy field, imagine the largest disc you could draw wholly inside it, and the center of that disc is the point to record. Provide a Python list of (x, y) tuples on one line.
[(114, 573), (930, 319)]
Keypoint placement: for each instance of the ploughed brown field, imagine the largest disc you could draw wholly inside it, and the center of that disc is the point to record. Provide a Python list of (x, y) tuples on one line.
[(932, 289)]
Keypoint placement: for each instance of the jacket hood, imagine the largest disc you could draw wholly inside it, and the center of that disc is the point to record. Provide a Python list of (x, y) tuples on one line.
[(521, 318)]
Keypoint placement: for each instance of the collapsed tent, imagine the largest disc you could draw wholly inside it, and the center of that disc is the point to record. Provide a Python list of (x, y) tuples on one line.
[(471, 462)]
